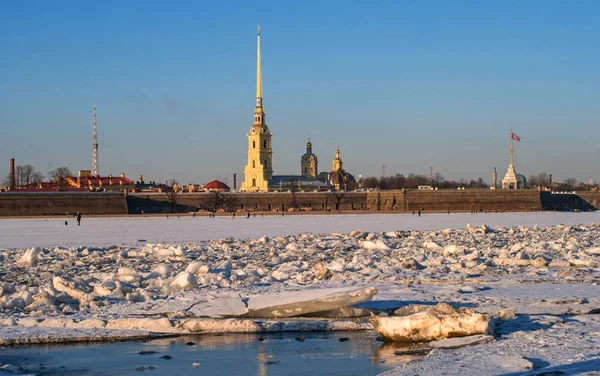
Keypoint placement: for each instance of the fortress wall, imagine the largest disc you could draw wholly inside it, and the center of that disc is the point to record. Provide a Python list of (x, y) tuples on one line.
[(570, 201), (272, 201), (480, 199), (593, 198), (60, 203), (442, 200)]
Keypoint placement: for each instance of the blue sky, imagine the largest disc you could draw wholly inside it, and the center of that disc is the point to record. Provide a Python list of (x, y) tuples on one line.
[(408, 84)]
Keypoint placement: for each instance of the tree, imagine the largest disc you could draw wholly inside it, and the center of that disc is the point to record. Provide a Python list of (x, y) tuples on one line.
[(543, 179), (60, 175), (370, 183), (217, 200), (438, 179), (293, 186), (37, 177), (571, 183), (338, 198), (24, 175), (171, 192)]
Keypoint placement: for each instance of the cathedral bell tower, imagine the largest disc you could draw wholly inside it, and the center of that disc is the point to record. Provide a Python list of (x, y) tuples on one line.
[(259, 169), (309, 163)]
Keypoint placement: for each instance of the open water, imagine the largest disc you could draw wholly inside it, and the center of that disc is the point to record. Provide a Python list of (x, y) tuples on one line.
[(358, 353)]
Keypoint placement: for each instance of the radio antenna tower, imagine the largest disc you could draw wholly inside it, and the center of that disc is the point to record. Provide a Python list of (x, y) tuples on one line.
[(95, 154), (431, 174)]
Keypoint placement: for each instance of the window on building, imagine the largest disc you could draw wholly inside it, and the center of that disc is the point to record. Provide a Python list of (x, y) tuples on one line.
[(305, 170), (253, 164), (265, 144), (254, 144), (254, 182)]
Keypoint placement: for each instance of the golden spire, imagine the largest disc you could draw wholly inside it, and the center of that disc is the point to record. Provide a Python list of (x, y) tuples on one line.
[(258, 72)]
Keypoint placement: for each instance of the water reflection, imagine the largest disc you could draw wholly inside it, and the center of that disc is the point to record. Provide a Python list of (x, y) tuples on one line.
[(387, 353), (239, 354)]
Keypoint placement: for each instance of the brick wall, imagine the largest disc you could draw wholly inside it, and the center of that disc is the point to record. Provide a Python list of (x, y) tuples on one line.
[(59, 203)]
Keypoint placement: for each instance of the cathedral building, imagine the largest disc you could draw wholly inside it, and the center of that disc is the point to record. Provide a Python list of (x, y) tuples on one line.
[(259, 169), (258, 173)]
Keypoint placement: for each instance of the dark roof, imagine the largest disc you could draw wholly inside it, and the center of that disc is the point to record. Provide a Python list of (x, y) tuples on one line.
[(283, 180), (308, 155), (342, 178)]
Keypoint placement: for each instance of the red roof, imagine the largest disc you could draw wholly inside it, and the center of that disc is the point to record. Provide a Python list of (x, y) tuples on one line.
[(215, 184)]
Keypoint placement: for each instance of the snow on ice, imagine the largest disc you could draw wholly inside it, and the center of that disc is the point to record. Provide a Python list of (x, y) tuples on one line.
[(535, 276)]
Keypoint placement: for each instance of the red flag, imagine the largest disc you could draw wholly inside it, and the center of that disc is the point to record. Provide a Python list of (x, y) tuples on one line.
[(515, 137)]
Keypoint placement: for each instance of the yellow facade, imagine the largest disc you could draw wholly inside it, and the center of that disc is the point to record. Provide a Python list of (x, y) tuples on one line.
[(337, 161), (259, 169), (309, 164)]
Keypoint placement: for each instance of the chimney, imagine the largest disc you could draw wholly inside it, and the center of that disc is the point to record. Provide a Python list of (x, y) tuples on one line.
[(550, 180), (234, 182), (12, 174)]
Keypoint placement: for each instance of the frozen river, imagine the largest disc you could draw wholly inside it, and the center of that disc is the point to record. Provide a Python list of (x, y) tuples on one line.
[(40, 232)]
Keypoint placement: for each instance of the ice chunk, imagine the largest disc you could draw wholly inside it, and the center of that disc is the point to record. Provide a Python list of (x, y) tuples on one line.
[(30, 257), (439, 322), (184, 281), (455, 343), (76, 288), (291, 304)]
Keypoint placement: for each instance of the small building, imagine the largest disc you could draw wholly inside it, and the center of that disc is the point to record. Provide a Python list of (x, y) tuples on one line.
[(109, 183)]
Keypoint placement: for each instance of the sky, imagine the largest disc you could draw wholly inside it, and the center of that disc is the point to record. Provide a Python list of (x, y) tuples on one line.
[(405, 84)]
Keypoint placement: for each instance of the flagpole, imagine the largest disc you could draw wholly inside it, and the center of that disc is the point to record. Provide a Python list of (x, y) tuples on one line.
[(511, 148)]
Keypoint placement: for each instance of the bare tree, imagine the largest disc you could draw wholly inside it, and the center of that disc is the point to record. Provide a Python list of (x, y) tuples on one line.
[(229, 203), (37, 177), (171, 192), (216, 200), (438, 179), (338, 198), (570, 184), (24, 175), (60, 175), (370, 182), (543, 179), (293, 186)]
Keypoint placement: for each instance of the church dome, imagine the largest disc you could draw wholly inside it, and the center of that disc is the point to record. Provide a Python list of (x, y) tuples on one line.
[(309, 156), (216, 185), (342, 180)]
